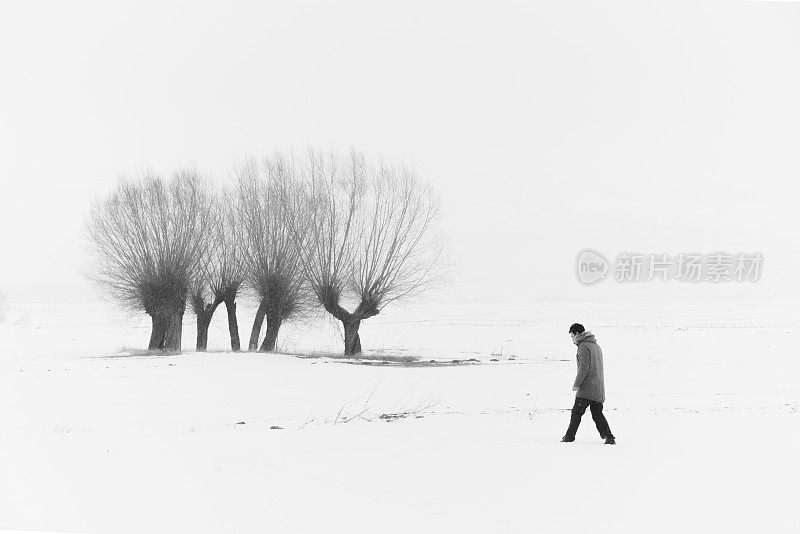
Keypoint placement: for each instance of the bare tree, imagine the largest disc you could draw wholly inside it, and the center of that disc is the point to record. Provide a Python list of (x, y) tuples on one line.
[(224, 273), (272, 250), (370, 235), (148, 241)]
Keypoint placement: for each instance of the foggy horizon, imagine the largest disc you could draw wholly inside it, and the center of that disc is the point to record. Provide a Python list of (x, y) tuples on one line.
[(546, 129)]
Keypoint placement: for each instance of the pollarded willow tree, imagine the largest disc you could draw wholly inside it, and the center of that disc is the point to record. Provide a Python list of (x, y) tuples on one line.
[(272, 251), (370, 236), (148, 240), (222, 277)]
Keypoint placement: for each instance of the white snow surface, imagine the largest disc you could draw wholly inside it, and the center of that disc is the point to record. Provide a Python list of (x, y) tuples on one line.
[(97, 436)]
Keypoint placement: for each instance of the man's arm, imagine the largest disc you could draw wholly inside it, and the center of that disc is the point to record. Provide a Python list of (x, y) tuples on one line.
[(584, 360)]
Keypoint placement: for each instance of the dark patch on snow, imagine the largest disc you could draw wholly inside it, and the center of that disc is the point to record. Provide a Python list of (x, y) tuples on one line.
[(415, 363), (141, 354)]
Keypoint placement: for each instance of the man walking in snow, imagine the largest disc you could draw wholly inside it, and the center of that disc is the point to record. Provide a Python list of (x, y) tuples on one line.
[(591, 391)]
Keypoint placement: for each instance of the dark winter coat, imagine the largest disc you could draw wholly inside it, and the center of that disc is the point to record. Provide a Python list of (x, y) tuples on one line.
[(589, 380)]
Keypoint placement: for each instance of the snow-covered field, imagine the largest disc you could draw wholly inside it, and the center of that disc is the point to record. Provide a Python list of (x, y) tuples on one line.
[(703, 398)]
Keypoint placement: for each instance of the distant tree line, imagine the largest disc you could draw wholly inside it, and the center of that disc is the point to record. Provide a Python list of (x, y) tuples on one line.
[(290, 232)]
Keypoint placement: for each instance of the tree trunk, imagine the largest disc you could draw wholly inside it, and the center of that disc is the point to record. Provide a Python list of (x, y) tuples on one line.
[(273, 326), (351, 322), (233, 325), (172, 337), (158, 331), (352, 341), (255, 333), (203, 322)]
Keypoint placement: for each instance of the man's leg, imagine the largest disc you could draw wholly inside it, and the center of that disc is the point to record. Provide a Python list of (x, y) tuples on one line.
[(575, 419), (600, 420)]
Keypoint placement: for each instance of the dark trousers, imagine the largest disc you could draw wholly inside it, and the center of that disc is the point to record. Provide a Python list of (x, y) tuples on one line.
[(597, 414)]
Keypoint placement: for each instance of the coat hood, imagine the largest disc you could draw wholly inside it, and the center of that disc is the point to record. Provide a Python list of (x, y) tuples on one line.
[(585, 336)]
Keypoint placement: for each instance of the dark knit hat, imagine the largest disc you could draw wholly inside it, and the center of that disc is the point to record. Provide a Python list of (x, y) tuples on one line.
[(576, 328)]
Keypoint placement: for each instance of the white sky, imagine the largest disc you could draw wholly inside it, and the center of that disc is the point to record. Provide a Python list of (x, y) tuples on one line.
[(548, 128)]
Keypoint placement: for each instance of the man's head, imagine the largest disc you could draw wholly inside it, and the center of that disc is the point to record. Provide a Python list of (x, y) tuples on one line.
[(575, 330)]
